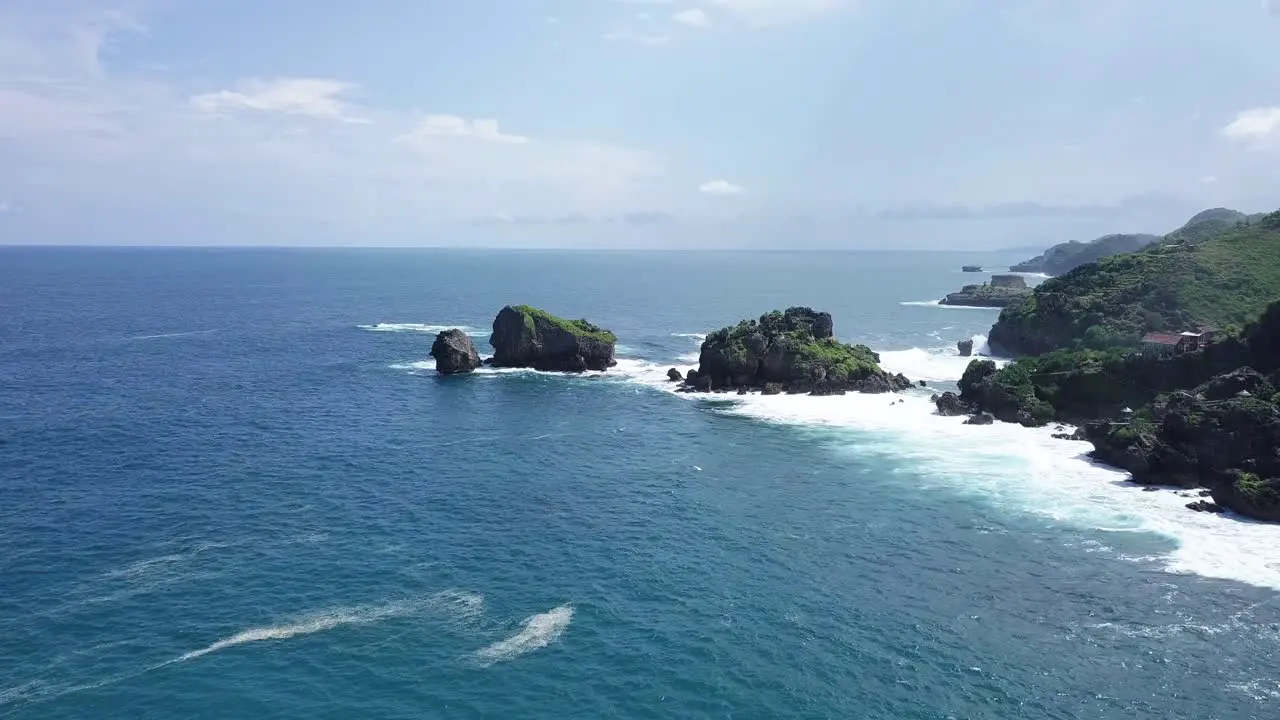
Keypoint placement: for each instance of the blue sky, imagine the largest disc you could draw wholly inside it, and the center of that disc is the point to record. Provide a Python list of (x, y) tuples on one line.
[(612, 123)]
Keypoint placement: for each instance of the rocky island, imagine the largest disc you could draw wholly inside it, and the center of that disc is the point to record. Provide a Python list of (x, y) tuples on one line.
[(793, 351), (528, 337), (1120, 347), (454, 353), (1001, 291), (971, 268)]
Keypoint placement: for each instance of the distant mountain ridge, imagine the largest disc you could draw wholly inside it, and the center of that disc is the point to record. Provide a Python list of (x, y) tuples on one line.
[(1065, 257)]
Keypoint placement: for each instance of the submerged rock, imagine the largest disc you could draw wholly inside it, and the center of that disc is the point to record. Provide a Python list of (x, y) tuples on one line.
[(454, 353), (525, 336), (984, 418)]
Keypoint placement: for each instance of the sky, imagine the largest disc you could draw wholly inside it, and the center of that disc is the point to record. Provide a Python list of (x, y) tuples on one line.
[(851, 124)]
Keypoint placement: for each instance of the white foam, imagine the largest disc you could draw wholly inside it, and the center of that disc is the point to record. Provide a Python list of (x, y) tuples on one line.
[(539, 631), (1023, 469), (936, 365), (938, 304), (462, 604), (420, 328), (697, 336)]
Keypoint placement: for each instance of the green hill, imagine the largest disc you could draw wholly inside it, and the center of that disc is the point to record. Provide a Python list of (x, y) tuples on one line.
[(1064, 257), (1220, 278)]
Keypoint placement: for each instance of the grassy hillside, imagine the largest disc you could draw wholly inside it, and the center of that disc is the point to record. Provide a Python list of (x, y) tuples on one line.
[(1064, 257), (1224, 279)]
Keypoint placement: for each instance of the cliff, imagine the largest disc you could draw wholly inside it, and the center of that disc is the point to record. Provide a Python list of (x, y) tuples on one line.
[(1208, 418), (525, 336), (1221, 280), (793, 351)]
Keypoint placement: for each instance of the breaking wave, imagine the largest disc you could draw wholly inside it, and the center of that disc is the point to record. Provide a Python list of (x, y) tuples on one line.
[(421, 328)]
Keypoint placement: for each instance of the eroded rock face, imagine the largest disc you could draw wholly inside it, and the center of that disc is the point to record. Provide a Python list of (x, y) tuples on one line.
[(524, 336), (950, 405), (454, 353)]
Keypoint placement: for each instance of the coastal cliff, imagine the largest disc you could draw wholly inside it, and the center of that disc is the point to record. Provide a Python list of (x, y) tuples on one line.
[(1202, 414)]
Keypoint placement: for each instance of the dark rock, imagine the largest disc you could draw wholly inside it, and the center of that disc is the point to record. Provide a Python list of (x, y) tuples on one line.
[(524, 336), (965, 347), (971, 268), (950, 405), (772, 389), (981, 419), (1205, 493), (795, 350), (924, 384), (1205, 506), (454, 353), (1151, 488), (673, 375), (742, 390)]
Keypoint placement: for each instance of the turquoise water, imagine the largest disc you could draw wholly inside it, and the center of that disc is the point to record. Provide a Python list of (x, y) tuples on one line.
[(230, 487)]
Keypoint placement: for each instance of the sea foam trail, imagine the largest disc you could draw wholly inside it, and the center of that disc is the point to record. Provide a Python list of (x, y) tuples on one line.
[(420, 328), (539, 631), (458, 604), (1023, 469), (938, 304)]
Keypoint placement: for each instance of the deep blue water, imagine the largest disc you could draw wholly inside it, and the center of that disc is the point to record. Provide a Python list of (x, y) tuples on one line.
[(224, 495)]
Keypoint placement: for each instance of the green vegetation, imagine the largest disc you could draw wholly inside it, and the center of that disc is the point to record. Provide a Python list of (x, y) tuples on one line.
[(581, 328), (1067, 256), (843, 363), (1257, 491), (1226, 279)]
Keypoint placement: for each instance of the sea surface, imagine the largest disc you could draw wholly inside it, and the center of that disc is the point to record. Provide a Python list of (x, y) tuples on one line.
[(232, 487)]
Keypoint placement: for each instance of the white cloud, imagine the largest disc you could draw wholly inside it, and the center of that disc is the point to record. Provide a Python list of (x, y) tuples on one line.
[(694, 17), (1209, 179), (720, 187), (628, 36), (778, 12), (1258, 125), (313, 97), (435, 126), (1271, 7), (4, 206)]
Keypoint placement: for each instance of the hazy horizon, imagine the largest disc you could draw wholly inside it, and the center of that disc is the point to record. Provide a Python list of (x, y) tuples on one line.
[(632, 124)]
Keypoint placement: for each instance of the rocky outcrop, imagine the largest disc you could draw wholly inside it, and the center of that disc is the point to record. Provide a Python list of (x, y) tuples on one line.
[(454, 353), (525, 336), (949, 405), (981, 419), (1218, 436), (1001, 291), (965, 347), (795, 351), (673, 375), (971, 268)]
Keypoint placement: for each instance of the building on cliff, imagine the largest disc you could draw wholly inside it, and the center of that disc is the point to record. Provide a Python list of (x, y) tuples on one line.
[(1178, 343)]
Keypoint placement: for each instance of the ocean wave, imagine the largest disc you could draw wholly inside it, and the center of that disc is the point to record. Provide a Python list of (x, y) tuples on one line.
[(421, 328), (539, 631), (1023, 469), (938, 304), (159, 336), (697, 336), (943, 364)]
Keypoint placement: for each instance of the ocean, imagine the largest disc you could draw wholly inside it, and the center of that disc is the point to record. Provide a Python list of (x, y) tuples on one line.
[(231, 486)]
